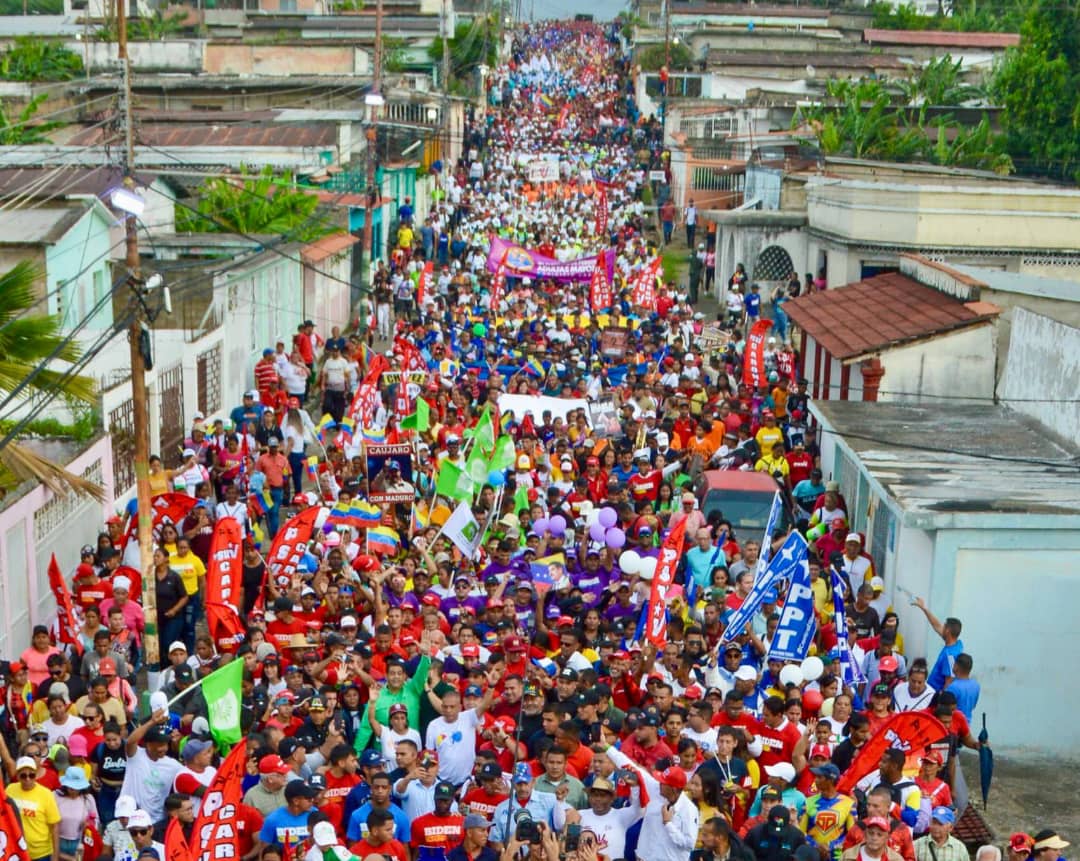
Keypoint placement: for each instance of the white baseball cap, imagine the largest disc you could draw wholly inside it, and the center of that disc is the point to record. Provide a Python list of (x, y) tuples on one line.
[(746, 673), (324, 835)]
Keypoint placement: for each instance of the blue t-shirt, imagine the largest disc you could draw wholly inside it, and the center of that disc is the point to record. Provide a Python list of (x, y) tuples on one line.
[(281, 828), (752, 304), (701, 563), (357, 825), (943, 666), (967, 695)]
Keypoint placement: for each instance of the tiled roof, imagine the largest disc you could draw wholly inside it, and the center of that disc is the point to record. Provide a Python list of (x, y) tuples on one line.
[(202, 135), (328, 246), (802, 59), (941, 38), (878, 312)]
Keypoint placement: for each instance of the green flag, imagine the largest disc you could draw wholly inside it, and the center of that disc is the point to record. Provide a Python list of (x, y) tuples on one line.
[(483, 434), (521, 500), (453, 482), (222, 691), (419, 421), (504, 455)]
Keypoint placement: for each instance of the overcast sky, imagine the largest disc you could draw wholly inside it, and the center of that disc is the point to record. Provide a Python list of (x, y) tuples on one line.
[(602, 10)]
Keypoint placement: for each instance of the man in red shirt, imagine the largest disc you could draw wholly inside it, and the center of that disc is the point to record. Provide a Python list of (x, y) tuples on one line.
[(799, 462), (341, 777), (780, 738), (266, 378), (440, 829), (489, 792), (90, 590), (379, 839), (645, 746), (645, 483), (285, 624)]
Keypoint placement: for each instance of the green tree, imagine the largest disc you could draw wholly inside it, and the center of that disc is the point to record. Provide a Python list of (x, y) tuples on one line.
[(1037, 86), (652, 57), (29, 344), (467, 50), (32, 59), (264, 203), (23, 130), (940, 82)]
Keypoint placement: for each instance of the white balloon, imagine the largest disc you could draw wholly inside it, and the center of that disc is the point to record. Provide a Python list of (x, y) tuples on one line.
[(585, 508), (812, 668), (592, 517), (826, 708), (791, 675), (629, 562), (648, 567)]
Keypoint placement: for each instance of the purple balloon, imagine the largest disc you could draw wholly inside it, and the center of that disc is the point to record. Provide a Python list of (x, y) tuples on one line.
[(540, 525), (608, 517), (557, 525), (596, 532), (615, 538)]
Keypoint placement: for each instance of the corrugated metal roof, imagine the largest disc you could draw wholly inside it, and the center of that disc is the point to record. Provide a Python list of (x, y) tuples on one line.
[(958, 457), (879, 312), (328, 246), (802, 59), (941, 38), (202, 135)]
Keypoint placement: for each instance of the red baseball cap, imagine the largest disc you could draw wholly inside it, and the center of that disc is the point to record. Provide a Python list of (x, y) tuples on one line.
[(106, 666), (431, 599), (820, 750), (672, 776), (273, 764), (470, 650), (564, 622), (876, 822), (506, 724), (621, 655), (932, 756), (888, 664), (408, 640), (514, 644)]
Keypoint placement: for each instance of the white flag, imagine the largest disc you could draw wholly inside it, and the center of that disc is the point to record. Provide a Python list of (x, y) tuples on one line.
[(461, 528)]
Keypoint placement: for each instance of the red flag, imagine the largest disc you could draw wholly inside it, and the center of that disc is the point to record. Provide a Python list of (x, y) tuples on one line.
[(409, 354), (366, 400), (753, 373), (601, 210), (600, 298), (670, 554), (289, 545), (644, 294), (223, 577), (68, 624), (498, 283), (423, 283), (911, 732), (135, 592), (176, 846), (564, 112), (12, 842), (217, 829)]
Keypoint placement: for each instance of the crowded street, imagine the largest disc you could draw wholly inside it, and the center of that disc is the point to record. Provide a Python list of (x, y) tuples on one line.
[(531, 557)]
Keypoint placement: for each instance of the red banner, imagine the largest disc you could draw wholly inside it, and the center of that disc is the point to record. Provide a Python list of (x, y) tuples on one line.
[(564, 112), (498, 284), (217, 829), (176, 847), (601, 211), (423, 283), (223, 580), (367, 398), (289, 545), (644, 294), (409, 355), (911, 732), (12, 842), (600, 298), (67, 623), (753, 372), (164, 508), (670, 554)]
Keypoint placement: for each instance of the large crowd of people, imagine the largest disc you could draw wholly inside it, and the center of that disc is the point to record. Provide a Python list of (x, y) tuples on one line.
[(413, 690)]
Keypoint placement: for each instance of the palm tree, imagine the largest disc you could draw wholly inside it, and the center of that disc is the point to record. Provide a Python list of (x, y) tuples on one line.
[(28, 342)]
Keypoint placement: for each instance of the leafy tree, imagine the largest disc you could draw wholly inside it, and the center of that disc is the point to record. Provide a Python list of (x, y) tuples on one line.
[(154, 28), (467, 49), (395, 58), (22, 130), (264, 203), (1038, 88), (32, 59), (939, 82), (29, 343), (653, 57)]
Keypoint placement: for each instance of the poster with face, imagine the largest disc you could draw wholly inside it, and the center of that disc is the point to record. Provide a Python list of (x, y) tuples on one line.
[(390, 473)]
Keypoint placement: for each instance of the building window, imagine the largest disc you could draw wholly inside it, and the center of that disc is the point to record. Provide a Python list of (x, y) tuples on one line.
[(122, 431), (208, 368)]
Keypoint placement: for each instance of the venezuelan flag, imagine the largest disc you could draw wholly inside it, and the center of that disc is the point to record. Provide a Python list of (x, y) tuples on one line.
[(506, 421), (365, 513), (374, 437), (383, 539), (325, 423), (348, 427), (312, 464), (257, 504), (534, 366), (339, 513), (421, 517)]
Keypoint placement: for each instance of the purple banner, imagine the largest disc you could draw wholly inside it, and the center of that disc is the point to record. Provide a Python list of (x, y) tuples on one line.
[(522, 262)]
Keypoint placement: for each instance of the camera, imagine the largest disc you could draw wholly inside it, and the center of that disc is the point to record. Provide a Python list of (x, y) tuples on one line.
[(573, 837), (528, 831)]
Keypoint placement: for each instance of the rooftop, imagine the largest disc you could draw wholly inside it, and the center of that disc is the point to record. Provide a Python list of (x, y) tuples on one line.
[(940, 460), (328, 246), (883, 311), (802, 59), (1023, 283), (226, 135), (39, 225), (941, 38)]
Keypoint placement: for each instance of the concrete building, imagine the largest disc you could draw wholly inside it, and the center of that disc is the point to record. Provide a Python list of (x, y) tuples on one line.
[(975, 508), (900, 336)]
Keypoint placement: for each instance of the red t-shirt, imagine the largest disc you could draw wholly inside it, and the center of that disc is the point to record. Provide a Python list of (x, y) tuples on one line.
[(645, 486), (92, 596), (337, 788), (279, 633), (482, 803), (777, 745), (442, 832), (395, 848)]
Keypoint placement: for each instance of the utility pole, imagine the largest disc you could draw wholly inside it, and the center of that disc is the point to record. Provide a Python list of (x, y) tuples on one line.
[(445, 154), (373, 102), (140, 414), (667, 71)]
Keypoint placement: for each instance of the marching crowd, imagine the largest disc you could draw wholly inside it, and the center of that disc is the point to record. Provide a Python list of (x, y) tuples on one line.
[(413, 700)]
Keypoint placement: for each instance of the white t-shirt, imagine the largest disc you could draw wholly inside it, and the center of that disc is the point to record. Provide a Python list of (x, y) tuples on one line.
[(334, 371), (611, 828), (705, 740), (388, 740), (455, 744), (149, 782), (60, 732)]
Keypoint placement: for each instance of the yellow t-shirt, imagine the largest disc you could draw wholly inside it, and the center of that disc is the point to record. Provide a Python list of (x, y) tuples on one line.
[(39, 813), (190, 568), (767, 438)]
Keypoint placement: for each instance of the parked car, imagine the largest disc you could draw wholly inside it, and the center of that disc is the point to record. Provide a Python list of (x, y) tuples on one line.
[(744, 498)]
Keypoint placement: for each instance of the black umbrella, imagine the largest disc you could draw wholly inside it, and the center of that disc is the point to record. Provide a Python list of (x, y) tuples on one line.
[(986, 761)]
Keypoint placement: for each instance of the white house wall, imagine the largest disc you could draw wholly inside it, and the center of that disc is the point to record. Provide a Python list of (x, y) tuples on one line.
[(960, 362)]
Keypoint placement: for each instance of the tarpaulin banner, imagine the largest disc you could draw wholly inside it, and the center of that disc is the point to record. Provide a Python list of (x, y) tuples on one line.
[(289, 545), (223, 581), (850, 672), (644, 292), (754, 374), (532, 264), (670, 554), (12, 842), (600, 295), (911, 732), (424, 282), (793, 634), (601, 210), (498, 283)]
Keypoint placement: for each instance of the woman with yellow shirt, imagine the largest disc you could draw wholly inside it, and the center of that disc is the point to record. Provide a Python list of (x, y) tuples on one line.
[(192, 573)]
